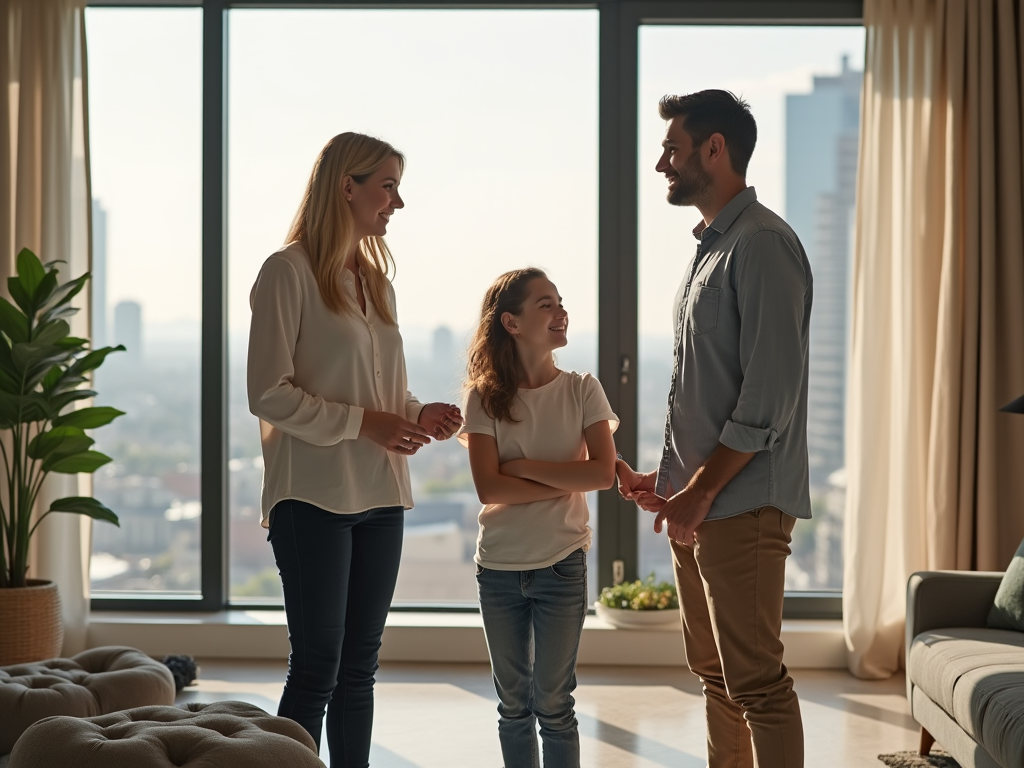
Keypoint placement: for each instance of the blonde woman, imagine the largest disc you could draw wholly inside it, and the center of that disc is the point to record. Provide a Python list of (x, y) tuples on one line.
[(327, 378)]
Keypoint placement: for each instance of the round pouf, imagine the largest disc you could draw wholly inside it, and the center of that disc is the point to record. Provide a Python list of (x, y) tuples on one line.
[(94, 682), (227, 734)]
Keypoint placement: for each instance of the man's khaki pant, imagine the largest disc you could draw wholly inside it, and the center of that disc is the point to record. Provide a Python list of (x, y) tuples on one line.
[(730, 594)]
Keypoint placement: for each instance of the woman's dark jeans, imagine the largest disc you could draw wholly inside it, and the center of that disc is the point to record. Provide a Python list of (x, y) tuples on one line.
[(339, 574)]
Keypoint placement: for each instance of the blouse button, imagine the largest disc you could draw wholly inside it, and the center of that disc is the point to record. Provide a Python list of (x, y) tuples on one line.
[(378, 374)]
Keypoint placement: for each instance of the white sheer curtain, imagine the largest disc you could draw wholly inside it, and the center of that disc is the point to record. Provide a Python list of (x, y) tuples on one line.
[(45, 206), (935, 473)]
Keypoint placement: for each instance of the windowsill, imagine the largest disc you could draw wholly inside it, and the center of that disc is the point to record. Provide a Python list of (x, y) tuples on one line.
[(422, 636)]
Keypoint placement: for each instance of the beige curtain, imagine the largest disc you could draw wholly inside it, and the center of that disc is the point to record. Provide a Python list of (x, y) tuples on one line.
[(936, 474), (45, 206)]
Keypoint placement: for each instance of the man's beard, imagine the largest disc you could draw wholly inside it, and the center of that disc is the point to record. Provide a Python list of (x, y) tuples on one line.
[(692, 183)]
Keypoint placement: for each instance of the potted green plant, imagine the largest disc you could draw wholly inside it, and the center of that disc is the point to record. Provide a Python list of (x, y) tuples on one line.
[(635, 604), (44, 373)]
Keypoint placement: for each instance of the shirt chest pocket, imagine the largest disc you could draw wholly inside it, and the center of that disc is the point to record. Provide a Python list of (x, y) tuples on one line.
[(704, 309)]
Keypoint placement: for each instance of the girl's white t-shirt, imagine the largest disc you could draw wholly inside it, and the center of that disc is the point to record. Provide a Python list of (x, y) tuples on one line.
[(521, 537)]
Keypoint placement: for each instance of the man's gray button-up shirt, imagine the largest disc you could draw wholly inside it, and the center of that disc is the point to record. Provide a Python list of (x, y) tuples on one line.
[(743, 316)]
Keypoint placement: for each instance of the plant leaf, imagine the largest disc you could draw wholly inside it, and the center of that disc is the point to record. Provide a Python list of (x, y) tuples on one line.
[(45, 441), (73, 342), (59, 442), (13, 322), (86, 462), (10, 382), (30, 354), (58, 403), (33, 361), (64, 383), (22, 409), (8, 385), (88, 418), (44, 290), (51, 378), (30, 271), (51, 332), (68, 291), (37, 375), (85, 505), (57, 449), (21, 297), (57, 312), (93, 360)]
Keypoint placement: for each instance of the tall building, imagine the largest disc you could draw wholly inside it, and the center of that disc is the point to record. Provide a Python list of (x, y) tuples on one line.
[(128, 328), (98, 283), (444, 345), (822, 129)]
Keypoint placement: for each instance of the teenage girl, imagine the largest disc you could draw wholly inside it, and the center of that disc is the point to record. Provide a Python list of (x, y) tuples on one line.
[(539, 439)]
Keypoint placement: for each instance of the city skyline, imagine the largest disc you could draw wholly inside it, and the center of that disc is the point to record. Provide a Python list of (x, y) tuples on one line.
[(506, 188), (825, 123), (453, 210)]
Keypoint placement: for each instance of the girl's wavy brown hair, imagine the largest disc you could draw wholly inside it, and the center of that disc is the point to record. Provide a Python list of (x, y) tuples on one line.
[(493, 370)]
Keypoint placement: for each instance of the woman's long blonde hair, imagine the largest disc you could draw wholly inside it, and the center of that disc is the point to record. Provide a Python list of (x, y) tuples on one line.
[(493, 369), (323, 223)]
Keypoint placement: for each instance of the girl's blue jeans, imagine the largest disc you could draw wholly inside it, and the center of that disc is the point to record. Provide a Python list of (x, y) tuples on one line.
[(533, 620)]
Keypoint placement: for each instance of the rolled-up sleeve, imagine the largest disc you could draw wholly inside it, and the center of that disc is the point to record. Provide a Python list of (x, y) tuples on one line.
[(771, 293), (276, 302)]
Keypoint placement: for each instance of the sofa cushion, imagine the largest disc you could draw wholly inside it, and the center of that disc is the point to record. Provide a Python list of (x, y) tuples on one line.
[(938, 659), (1008, 609), (226, 734), (988, 703), (93, 682), (977, 677)]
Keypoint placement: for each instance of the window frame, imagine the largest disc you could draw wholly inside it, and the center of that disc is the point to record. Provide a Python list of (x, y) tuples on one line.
[(619, 24)]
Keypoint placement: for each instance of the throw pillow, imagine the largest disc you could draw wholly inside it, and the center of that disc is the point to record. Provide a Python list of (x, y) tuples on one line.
[(1008, 610)]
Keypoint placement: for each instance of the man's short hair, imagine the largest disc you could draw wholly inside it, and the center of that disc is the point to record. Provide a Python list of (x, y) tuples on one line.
[(714, 111)]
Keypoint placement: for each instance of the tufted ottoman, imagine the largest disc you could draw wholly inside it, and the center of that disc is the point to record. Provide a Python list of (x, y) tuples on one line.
[(228, 734), (94, 682)]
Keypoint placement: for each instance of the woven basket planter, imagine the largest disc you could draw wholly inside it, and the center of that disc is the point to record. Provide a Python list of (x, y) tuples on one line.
[(32, 626)]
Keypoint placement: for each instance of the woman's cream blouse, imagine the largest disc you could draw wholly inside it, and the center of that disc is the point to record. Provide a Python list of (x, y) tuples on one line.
[(311, 374)]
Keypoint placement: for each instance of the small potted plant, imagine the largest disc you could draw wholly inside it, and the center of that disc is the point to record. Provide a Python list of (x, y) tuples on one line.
[(43, 373), (636, 604)]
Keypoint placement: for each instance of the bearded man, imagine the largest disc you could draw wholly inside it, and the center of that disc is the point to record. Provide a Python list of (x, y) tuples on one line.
[(733, 478)]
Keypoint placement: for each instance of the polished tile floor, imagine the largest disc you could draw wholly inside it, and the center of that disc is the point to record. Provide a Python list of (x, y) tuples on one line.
[(443, 715)]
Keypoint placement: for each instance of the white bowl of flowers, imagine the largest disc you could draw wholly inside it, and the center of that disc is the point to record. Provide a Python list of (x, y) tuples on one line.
[(638, 604)]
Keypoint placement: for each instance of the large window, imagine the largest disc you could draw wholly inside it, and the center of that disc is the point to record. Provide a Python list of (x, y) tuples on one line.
[(145, 130), (803, 85), (531, 137), (501, 173)]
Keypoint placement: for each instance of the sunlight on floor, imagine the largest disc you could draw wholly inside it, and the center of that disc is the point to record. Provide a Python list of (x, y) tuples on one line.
[(443, 715)]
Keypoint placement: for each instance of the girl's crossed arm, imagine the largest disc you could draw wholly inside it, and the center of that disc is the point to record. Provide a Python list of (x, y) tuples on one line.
[(595, 473), (495, 487)]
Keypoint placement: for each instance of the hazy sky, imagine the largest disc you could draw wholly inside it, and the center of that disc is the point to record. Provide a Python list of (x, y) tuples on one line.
[(495, 110)]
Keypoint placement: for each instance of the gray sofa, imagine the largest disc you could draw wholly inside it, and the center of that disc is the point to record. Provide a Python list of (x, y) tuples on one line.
[(965, 682)]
